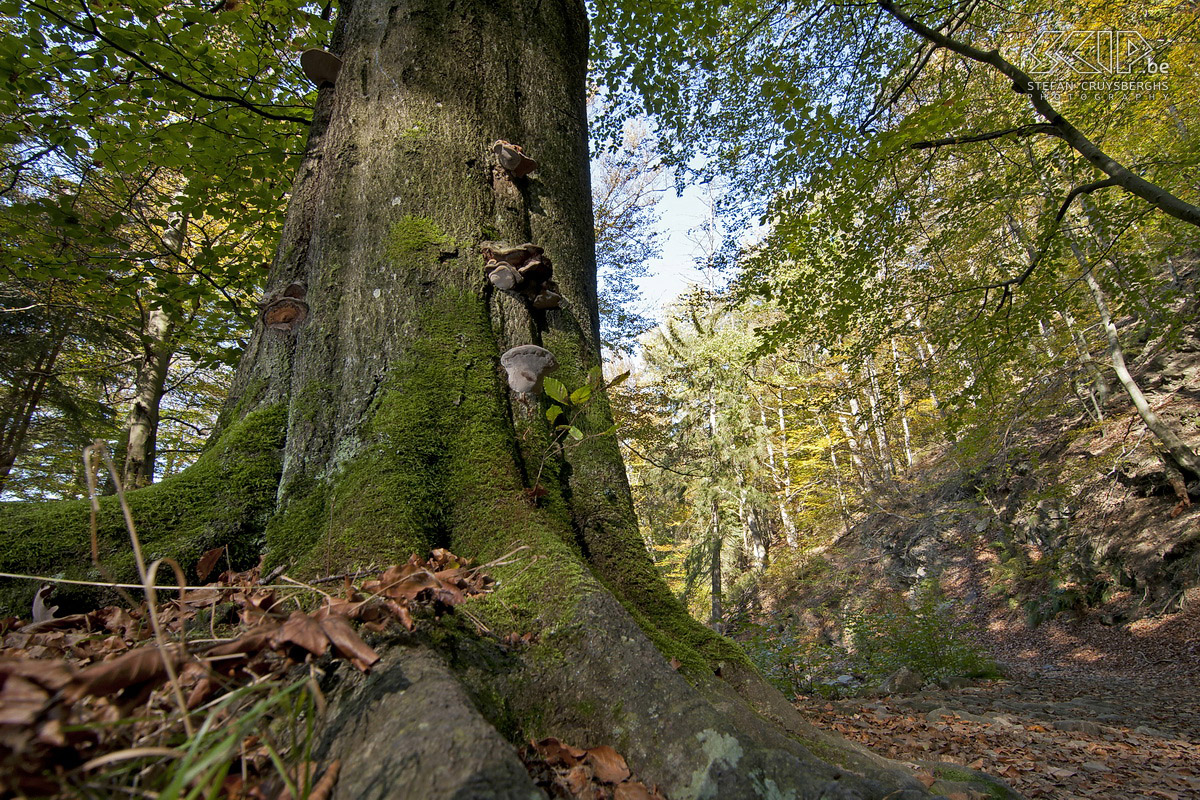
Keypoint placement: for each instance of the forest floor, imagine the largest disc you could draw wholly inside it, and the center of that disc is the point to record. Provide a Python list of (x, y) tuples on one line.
[(1084, 711)]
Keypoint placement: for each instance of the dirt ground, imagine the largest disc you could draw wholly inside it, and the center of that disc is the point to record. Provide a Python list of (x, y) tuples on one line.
[(1085, 710)]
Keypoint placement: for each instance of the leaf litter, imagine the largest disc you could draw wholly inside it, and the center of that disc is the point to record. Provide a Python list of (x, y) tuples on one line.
[(86, 704), (598, 773)]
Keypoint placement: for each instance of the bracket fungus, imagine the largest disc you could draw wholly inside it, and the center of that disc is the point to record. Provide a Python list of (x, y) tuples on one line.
[(512, 157), (537, 268), (320, 66), (527, 365), (502, 275), (284, 311), (546, 299), (524, 268), (512, 254)]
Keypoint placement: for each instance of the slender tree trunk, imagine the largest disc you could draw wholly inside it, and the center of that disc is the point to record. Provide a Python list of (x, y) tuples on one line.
[(1175, 446), (852, 441), (715, 619), (1099, 389), (901, 406), (878, 421), (837, 472), (24, 404), (926, 356), (141, 427), (780, 476), (142, 424), (785, 501)]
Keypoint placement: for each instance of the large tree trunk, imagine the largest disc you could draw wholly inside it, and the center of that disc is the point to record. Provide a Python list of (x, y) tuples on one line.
[(402, 435)]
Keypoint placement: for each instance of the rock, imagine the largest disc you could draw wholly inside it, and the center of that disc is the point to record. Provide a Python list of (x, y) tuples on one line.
[(1080, 725), (844, 680), (955, 682), (1146, 730), (903, 681), (938, 713)]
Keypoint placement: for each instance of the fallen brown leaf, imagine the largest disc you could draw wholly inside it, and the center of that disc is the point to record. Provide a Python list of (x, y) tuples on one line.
[(559, 753), (302, 631), (610, 767), (347, 642), (145, 665), (21, 701), (207, 561), (632, 790), (578, 778)]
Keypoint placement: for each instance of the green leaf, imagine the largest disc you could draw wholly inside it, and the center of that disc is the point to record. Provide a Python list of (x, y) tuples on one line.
[(553, 413), (556, 391), (617, 381), (575, 433), (581, 395)]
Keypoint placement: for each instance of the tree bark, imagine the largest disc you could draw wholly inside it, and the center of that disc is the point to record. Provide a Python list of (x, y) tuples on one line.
[(716, 613), (141, 427), (142, 424), (901, 407)]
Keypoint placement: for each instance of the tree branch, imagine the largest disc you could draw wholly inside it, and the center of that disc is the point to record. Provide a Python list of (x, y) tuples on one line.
[(1021, 130), (94, 30), (654, 463), (1007, 286), (1157, 196)]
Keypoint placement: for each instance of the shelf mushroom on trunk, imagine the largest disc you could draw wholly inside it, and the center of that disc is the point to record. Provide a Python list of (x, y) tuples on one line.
[(320, 66), (284, 311), (502, 275), (512, 157), (525, 266), (527, 365)]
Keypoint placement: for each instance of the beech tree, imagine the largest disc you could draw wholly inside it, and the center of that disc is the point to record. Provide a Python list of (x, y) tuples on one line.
[(371, 419)]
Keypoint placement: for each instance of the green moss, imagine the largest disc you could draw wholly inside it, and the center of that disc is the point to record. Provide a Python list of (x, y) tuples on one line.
[(434, 465), (412, 235), (251, 394), (225, 498), (609, 531), (312, 398), (950, 776)]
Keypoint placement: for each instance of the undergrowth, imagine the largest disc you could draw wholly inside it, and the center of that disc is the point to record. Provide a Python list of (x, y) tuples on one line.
[(878, 638)]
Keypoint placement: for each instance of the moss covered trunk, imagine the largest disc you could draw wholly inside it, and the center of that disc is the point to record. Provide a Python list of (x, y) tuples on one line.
[(378, 361)]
